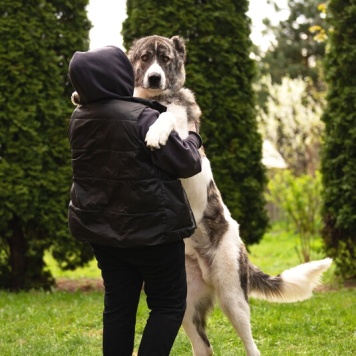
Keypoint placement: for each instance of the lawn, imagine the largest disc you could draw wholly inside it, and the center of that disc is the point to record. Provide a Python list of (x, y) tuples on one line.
[(69, 323)]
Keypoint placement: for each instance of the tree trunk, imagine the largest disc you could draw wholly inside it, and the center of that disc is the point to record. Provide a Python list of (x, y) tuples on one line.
[(18, 248)]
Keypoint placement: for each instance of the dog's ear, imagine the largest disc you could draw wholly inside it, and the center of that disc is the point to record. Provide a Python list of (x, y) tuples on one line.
[(131, 51), (179, 45)]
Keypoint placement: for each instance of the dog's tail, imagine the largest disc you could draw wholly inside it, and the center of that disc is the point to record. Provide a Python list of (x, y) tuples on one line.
[(292, 285)]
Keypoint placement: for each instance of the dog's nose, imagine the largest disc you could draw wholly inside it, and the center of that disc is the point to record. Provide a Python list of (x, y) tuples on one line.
[(154, 80)]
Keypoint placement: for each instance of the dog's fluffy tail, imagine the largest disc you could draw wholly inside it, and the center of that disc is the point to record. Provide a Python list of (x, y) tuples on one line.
[(292, 285)]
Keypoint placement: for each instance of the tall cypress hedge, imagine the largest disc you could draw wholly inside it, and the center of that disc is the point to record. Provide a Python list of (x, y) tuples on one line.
[(38, 38), (220, 73), (339, 157)]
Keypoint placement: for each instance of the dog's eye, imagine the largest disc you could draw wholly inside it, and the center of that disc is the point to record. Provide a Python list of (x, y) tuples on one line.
[(165, 59), (144, 58)]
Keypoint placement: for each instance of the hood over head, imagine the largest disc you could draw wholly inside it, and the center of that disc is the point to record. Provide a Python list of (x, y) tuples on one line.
[(103, 73)]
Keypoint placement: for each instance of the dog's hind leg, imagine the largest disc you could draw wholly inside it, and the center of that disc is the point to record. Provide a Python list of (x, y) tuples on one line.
[(231, 283), (200, 300), (237, 309)]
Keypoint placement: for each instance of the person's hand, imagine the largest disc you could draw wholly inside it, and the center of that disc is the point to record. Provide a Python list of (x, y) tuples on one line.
[(192, 127)]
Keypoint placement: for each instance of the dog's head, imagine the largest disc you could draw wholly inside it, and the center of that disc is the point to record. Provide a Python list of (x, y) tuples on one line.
[(158, 64)]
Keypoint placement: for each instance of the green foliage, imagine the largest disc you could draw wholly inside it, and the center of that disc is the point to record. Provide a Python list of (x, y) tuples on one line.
[(300, 198), (291, 121), (90, 270), (37, 41), (294, 52), (220, 73), (339, 157), (290, 105)]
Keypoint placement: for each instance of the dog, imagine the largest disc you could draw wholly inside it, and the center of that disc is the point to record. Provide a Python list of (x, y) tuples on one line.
[(217, 263)]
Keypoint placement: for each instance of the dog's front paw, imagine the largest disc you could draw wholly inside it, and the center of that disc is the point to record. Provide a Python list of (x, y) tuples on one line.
[(152, 139), (159, 132)]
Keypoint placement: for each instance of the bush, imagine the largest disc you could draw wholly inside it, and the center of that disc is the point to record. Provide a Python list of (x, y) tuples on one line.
[(300, 198), (290, 119), (38, 38), (339, 149)]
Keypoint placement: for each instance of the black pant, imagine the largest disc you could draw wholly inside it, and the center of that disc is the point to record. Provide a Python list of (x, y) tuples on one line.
[(162, 270)]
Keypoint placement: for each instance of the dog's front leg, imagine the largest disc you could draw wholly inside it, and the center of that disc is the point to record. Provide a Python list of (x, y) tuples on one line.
[(159, 132)]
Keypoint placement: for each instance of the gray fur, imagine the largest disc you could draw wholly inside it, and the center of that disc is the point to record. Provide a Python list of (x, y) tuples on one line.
[(156, 48), (244, 267), (169, 54), (214, 220), (199, 318), (264, 283)]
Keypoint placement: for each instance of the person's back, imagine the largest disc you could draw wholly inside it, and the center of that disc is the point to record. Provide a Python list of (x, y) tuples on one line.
[(127, 201)]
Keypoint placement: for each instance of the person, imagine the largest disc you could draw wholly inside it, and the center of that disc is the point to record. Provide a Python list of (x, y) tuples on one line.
[(128, 203)]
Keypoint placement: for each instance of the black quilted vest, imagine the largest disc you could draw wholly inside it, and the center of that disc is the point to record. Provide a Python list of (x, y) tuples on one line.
[(118, 197)]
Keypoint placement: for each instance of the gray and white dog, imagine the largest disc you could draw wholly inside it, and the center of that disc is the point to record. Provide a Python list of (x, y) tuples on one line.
[(216, 260)]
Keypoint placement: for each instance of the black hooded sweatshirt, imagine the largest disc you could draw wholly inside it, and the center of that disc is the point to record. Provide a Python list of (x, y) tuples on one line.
[(123, 194)]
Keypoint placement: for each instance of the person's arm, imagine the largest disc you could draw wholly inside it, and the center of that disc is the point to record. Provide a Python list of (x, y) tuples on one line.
[(179, 158)]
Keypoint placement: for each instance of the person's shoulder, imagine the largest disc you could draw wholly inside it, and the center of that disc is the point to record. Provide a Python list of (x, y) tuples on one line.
[(123, 106)]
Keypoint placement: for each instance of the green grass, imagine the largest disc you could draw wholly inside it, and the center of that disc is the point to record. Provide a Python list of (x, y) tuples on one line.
[(40, 323), (62, 323), (278, 252)]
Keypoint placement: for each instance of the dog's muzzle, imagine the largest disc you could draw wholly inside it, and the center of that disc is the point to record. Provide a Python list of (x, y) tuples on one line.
[(154, 80)]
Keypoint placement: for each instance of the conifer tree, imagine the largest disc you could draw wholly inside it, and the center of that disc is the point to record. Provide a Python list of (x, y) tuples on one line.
[(339, 158), (220, 73), (38, 38), (294, 52)]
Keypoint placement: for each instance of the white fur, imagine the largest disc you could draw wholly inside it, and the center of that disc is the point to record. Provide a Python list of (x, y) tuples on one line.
[(159, 132), (149, 93), (195, 188), (299, 282), (155, 68), (180, 113)]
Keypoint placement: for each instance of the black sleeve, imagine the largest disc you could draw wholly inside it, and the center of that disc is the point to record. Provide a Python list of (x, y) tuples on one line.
[(179, 158)]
